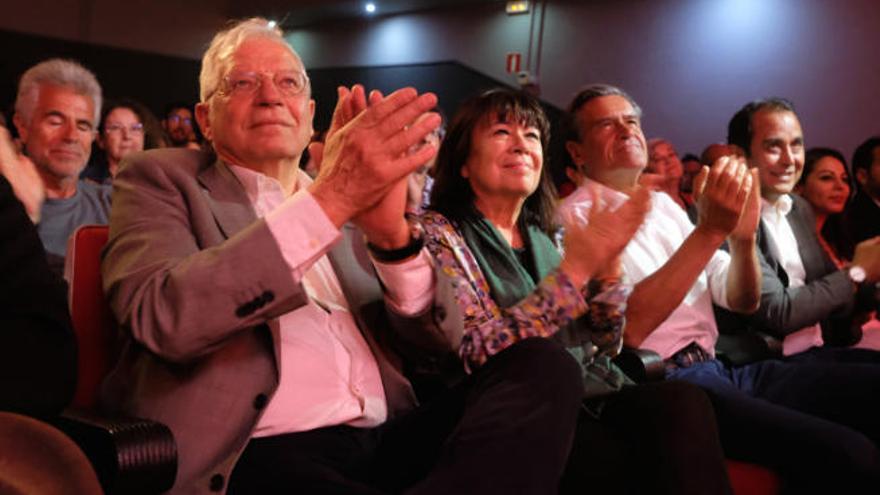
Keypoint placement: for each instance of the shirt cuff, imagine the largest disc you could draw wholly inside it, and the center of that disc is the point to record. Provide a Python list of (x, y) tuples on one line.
[(302, 231), (409, 285)]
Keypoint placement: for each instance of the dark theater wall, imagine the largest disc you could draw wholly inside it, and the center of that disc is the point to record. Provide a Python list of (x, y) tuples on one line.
[(690, 63)]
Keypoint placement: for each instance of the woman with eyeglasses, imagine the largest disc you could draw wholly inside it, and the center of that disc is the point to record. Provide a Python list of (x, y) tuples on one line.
[(489, 230), (126, 127)]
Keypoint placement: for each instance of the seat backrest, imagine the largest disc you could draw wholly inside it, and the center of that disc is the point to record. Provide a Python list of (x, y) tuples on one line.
[(92, 320)]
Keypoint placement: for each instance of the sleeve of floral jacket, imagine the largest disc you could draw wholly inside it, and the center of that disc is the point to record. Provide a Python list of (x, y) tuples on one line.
[(552, 306)]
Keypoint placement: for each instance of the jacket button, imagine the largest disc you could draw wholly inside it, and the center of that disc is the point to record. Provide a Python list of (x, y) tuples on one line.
[(245, 310), (260, 401), (216, 483), (268, 296)]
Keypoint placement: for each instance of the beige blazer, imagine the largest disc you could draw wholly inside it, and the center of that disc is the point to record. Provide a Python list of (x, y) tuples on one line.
[(195, 280)]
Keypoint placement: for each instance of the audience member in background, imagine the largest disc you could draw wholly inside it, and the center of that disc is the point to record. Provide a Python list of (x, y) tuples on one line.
[(663, 161), (862, 217), (420, 182), (692, 166), (255, 327), (311, 159), (571, 184), (714, 151), (815, 305), (125, 128), (826, 185), (489, 229), (56, 112), (773, 413), (180, 126)]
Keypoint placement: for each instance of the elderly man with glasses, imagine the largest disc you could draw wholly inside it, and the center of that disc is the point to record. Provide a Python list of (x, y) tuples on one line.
[(56, 113), (255, 326)]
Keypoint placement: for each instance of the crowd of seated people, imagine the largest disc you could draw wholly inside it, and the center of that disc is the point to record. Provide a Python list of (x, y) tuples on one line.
[(284, 324)]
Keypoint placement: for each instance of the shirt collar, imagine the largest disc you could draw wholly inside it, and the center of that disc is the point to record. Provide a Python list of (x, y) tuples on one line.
[(257, 183), (782, 206), (609, 196)]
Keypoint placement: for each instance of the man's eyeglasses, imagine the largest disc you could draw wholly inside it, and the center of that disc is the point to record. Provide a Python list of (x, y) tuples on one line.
[(290, 83), (136, 128), (177, 119)]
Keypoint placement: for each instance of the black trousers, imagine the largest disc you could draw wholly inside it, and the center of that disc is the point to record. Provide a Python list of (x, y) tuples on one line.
[(826, 354), (507, 428), (814, 423), (654, 438)]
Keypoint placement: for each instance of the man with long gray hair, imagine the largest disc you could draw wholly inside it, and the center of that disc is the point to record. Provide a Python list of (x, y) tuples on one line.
[(56, 113)]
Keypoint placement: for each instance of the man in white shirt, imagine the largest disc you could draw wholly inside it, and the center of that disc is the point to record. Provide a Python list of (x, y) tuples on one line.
[(773, 413), (254, 325), (806, 299)]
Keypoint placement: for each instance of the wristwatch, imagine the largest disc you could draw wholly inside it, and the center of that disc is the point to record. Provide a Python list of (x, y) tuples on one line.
[(856, 274), (416, 243)]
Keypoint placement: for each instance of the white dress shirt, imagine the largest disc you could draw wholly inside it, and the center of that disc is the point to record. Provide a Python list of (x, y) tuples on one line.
[(665, 228), (786, 251), (327, 373)]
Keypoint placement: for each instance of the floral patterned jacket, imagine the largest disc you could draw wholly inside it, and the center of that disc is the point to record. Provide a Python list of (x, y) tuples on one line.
[(552, 306)]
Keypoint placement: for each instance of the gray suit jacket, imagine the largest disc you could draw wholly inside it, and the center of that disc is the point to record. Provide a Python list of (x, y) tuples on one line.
[(826, 298), (196, 280)]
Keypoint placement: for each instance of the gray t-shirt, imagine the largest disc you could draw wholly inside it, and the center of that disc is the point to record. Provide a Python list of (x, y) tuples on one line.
[(60, 217)]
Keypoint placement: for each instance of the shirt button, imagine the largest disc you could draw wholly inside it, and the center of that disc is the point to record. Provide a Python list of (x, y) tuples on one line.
[(260, 401), (216, 483)]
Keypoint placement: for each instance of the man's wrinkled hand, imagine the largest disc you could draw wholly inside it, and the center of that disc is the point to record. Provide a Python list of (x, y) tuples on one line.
[(592, 247), (365, 156)]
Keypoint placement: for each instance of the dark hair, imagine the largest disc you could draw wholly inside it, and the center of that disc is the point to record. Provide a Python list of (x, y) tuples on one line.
[(154, 136), (570, 126), (452, 194), (813, 155), (833, 230), (863, 157), (739, 129), (174, 105), (690, 157)]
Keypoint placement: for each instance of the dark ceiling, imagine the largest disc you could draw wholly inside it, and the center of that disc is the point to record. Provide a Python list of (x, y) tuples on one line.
[(300, 13)]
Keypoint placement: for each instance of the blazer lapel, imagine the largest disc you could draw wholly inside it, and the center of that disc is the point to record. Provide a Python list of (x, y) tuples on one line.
[(771, 252), (227, 198), (803, 225)]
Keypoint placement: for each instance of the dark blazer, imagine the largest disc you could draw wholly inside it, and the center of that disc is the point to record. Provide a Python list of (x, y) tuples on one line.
[(827, 297), (37, 345), (196, 281)]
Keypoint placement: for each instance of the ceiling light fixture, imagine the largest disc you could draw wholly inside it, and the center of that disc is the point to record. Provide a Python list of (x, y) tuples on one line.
[(370, 7), (520, 7)]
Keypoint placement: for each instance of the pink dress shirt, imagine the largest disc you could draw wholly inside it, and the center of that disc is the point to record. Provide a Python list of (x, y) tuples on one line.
[(327, 373)]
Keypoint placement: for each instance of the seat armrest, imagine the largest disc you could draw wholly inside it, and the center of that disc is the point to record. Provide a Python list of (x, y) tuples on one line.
[(641, 365), (129, 455)]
